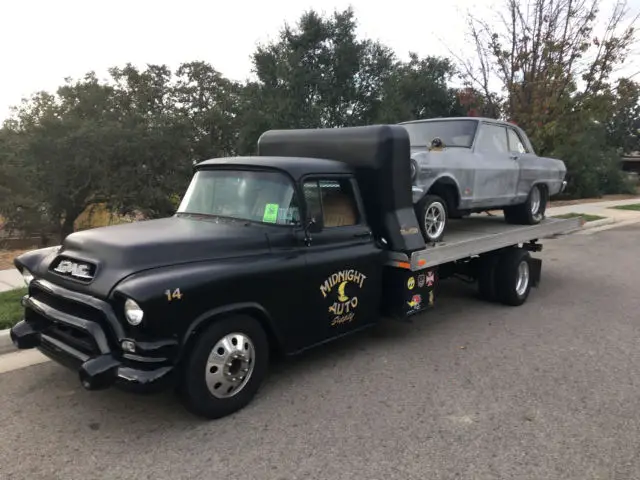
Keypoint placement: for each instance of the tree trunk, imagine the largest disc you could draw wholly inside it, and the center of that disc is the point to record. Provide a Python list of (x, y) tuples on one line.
[(67, 226)]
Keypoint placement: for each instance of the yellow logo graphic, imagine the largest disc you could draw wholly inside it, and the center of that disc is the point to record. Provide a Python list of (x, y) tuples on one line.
[(344, 306), (341, 296), (431, 298), (411, 283)]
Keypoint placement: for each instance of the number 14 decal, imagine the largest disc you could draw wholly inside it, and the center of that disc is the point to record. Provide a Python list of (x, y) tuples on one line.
[(175, 295)]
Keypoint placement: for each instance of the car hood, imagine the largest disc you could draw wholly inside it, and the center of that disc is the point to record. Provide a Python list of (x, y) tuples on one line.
[(115, 252)]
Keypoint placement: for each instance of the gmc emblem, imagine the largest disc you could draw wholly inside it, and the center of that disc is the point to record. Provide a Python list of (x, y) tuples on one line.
[(76, 270)]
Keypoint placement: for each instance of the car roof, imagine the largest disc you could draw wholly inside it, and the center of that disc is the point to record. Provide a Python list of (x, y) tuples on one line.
[(294, 166), (475, 119)]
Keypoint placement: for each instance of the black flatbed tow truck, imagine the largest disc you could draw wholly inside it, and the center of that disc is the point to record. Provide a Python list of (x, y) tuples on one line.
[(312, 239)]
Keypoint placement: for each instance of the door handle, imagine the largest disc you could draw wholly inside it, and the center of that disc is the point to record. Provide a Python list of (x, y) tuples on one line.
[(362, 235), (514, 156)]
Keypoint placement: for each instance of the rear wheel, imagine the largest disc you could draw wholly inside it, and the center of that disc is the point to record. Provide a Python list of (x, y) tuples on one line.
[(513, 277), (532, 211), (226, 367), (432, 215)]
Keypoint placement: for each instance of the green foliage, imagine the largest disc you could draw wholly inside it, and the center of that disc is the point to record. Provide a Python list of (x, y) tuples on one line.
[(11, 312), (634, 207), (623, 122), (593, 168)]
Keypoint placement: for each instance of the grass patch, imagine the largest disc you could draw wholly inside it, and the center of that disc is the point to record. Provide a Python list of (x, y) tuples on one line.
[(11, 312), (634, 207), (586, 216)]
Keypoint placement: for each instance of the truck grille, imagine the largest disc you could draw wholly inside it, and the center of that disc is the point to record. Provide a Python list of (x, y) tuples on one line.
[(67, 306), (77, 338)]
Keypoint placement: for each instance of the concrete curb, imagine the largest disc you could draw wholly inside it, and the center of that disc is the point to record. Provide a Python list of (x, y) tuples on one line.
[(590, 225), (6, 345)]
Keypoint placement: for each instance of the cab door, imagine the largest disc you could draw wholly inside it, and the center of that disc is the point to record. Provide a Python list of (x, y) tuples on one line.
[(344, 266)]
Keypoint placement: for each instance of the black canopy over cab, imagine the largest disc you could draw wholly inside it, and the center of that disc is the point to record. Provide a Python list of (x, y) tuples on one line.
[(380, 156)]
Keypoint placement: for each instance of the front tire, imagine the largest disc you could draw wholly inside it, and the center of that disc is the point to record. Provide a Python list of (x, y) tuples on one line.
[(226, 367), (530, 212), (432, 215)]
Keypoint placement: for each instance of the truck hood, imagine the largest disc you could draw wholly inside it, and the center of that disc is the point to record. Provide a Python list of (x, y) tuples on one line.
[(109, 254)]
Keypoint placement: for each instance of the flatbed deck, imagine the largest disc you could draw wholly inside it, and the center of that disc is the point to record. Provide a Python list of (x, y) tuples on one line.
[(480, 234)]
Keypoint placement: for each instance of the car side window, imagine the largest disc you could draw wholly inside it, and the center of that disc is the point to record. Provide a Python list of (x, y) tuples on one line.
[(333, 200), (492, 139), (515, 143)]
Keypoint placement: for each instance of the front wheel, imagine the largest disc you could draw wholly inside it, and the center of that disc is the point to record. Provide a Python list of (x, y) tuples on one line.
[(432, 215), (226, 367)]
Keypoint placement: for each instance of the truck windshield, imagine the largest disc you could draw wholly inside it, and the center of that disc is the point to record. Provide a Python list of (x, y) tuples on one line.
[(453, 133), (255, 196)]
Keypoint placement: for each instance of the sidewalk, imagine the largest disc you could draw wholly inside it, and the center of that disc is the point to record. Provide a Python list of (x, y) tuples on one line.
[(10, 279), (601, 209)]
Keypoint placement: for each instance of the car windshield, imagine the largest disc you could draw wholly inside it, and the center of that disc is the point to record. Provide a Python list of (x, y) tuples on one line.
[(453, 133), (255, 196)]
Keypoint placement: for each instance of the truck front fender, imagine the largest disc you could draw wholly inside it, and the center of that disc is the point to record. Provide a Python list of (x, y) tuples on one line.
[(178, 300), (252, 309)]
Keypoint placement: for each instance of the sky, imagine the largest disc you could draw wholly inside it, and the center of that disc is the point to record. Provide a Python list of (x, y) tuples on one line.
[(44, 41)]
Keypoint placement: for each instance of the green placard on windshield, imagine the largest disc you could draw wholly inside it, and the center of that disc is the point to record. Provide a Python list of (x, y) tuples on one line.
[(270, 213)]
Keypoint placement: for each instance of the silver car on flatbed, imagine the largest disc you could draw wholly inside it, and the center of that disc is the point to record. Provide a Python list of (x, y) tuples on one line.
[(465, 165)]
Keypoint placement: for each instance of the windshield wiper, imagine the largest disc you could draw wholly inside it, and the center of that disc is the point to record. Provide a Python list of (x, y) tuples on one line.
[(246, 221)]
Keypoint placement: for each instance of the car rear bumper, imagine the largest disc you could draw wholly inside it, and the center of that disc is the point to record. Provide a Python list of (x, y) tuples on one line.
[(90, 348)]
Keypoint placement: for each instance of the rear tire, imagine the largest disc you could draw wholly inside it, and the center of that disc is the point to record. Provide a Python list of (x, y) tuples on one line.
[(432, 215), (226, 367), (513, 277), (530, 212)]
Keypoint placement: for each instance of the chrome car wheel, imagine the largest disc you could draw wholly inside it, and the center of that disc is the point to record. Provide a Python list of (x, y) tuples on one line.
[(230, 365), (435, 220), (536, 201), (522, 280)]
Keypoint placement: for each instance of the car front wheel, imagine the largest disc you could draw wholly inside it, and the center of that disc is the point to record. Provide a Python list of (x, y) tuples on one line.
[(226, 367), (432, 215)]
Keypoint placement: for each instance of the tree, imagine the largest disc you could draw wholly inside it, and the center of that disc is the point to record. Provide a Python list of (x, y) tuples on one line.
[(320, 74), (623, 124), (209, 104), (553, 70), (419, 89)]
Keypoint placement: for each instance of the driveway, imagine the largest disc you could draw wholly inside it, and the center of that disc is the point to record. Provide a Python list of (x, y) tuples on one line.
[(472, 390)]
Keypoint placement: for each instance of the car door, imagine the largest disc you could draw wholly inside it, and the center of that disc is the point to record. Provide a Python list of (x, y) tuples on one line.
[(344, 265), (496, 172), (526, 161)]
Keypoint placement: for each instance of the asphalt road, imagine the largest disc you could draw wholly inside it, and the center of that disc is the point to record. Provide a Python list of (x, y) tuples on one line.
[(549, 390)]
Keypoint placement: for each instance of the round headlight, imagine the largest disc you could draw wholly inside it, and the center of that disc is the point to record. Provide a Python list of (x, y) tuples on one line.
[(132, 312), (27, 276)]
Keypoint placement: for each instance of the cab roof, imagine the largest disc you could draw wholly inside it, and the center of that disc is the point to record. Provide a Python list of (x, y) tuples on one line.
[(297, 167)]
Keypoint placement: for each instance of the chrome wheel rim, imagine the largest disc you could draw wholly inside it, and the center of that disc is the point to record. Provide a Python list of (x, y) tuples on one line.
[(230, 365), (434, 220), (522, 281), (536, 200)]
